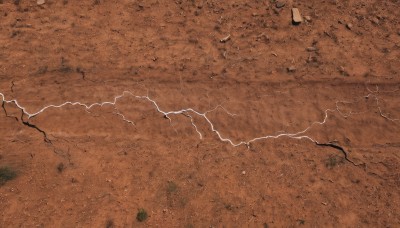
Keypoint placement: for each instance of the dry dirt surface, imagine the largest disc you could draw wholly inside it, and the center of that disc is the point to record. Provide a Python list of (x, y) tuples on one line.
[(232, 116)]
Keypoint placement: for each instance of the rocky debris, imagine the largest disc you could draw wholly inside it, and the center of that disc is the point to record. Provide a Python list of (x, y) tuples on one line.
[(296, 16), (291, 69), (280, 4), (312, 59), (343, 71), (40, 2), (349, 26), (375, 21), (311, 49), (225, 39), (307, 18)]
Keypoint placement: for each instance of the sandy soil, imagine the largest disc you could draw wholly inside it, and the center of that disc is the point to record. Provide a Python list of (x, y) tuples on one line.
[(269, 78)]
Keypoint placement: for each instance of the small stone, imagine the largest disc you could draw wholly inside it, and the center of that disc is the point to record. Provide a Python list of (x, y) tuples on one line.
[(243, 172), (311, 49), (375, 21), (291, 69), (296, 16), (225, 39), (40, 2), (349, 26), (343, 71), (307, 18), (280, 4)]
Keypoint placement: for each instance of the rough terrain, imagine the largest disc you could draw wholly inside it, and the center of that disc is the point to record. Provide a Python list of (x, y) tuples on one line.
[(259, 74)]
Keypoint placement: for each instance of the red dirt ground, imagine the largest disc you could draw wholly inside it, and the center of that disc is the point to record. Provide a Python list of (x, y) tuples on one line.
[(92, 51)]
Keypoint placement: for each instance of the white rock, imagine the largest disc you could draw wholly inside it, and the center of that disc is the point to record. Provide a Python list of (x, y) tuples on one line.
[(40, 2), (296, 16)]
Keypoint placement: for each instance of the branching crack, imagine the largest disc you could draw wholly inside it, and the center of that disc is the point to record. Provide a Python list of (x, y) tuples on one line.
[(26, 123), (12, 86), (190, 113), (5, 111)]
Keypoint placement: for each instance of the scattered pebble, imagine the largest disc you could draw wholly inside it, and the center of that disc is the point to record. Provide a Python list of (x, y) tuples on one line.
[(225, 39), (280, 4), (307, 18), (296, 16), (349, 26), (291, 69), (343, 71), (375, 21), (311, 49), (243, 172), (40, 2)]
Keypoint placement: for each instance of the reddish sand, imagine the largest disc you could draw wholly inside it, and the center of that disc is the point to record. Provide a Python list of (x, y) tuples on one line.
[(97, 170)]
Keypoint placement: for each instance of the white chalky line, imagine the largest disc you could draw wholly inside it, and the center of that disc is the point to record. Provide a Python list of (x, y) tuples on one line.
[(297, 135)]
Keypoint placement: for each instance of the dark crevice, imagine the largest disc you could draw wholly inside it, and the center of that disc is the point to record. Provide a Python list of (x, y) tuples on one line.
[(26, 123), (341, 149), (5, 111), (12, 86)]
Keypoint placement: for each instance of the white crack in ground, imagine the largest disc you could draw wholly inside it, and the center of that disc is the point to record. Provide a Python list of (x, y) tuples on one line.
[(188, 112)]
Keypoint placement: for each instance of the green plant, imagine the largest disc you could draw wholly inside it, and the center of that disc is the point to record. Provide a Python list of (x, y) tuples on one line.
[(141, 215), (6, 174)]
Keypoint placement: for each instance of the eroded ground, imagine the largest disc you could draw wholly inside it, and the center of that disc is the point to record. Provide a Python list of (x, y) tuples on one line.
[(96, 170)]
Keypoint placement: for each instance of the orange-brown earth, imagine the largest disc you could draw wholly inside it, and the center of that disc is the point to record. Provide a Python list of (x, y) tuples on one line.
[(98, 170)]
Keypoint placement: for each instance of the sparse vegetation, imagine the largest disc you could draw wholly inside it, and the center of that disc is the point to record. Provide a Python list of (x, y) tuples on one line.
[(301, 221), (333, 161), (141, 215), (6, 174), (110, 223), (171, 187), (60, 167)]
